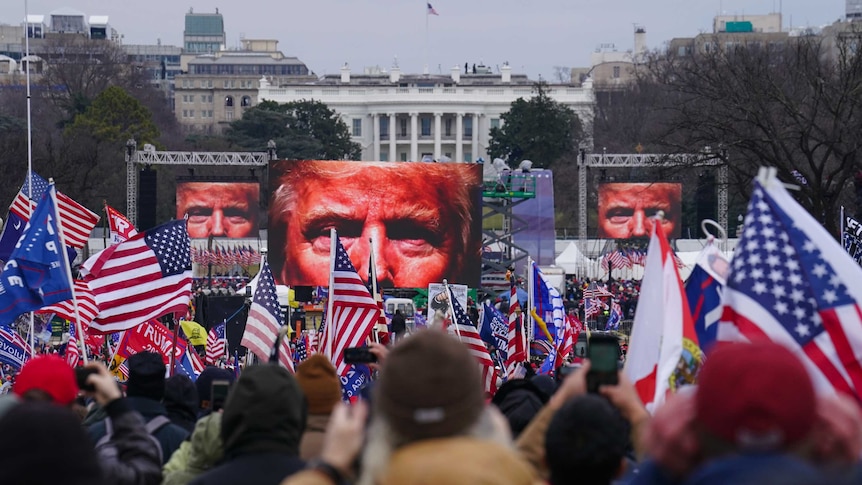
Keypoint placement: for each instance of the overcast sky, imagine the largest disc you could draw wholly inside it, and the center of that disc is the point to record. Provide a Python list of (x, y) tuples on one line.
[(533, 36)]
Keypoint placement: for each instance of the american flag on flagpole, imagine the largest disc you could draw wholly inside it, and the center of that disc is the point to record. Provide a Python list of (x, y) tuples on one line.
[(792, 283), (77, 220), (87, 307), (354, 311), (515, 352), (374, 286), (216, 344), (264, 317), (301, 350), (285, 355), (431, 10), (73, 353), (143, 278), (469, 336)]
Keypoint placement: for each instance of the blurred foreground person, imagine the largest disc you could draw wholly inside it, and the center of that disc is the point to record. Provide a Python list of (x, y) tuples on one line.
[(322, 388)]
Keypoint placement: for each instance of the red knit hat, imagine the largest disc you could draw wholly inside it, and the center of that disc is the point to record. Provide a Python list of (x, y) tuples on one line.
[(756, 396), (51, 374)]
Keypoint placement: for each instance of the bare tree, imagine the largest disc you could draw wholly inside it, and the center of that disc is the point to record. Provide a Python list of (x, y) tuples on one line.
[(562, 75)]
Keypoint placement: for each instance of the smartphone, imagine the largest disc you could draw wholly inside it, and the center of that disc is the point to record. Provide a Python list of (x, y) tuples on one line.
[(604, 354), (219, 394), (359, 355), (565, 370), (81, 375)]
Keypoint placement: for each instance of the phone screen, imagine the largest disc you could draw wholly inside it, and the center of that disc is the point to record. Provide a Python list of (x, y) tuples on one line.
[(604, 354), (219, 394)]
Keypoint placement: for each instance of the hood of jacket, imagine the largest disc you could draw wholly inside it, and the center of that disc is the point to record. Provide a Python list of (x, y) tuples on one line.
[(264, 412)]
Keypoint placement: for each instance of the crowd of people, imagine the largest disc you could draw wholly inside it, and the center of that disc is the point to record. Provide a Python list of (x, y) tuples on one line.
[(425, 419)]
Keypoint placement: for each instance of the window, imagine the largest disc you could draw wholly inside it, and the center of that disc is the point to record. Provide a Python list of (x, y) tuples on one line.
[(495, 123), (448, 127), (616, 72), (357, 126), (384, 156), (426, 126), (468, 157), (228, 101), (448, 154), (207, 84), (191, 113), (228, 115), (403, 127), (468, 127), (246, 101), (403, 156), (384, 127)]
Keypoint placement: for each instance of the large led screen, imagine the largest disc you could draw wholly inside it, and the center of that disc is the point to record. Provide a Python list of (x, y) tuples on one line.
[(220, 209), (626, 209), (423, 220)]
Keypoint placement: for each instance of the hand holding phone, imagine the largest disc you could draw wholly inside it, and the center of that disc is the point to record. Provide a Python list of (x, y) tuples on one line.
[(81, 375), (359, 355), (604, 355)]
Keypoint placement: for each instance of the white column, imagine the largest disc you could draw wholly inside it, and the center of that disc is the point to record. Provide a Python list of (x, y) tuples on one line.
[(475, 140), (414, 137), (393, 156), (459, 138), (375, 125), (437, 134)]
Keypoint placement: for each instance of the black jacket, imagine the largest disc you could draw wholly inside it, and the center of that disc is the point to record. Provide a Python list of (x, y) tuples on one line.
[(137, 460), (263, 421), (399, 323)]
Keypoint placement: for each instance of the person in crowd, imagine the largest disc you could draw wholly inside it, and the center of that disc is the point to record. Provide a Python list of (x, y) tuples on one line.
[(519, 400), (262, 424), (399, 326), (626, 209), (322, 388), (195, 456), (181, 401), (418, 221), (145, 390), (204, 386), (220, 209), (47, 378)]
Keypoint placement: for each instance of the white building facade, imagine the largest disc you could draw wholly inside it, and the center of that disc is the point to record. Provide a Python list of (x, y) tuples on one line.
[(397, 117)]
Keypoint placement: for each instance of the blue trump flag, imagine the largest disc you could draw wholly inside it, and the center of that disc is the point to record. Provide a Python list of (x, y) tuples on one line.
[(704, 289), (495, 330), (36, 274)]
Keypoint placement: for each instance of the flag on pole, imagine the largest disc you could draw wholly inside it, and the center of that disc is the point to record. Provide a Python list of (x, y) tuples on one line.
[(73, 353), (615, 317), (264, 317), (791, 283), (374, 287), (12, 230), (852, 237), (354, 311), (66, 309), (515, 351), (469, 336), (703, 290), (14, 350), (495, 330), (216, 343), (36, 274), (431, 10), (78, 221), (143, 278), (663, 350), (121, 228), (301, 350), (285, 355)]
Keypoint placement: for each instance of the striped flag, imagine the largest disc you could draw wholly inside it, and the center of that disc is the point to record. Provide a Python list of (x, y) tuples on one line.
[(215, 344), (354, 311), (431, 10), (140, 279), (77, 220), (87, 307), (14, 350), (73, 353), (515, 352), (301, 349), (264, 317), (374, 287), (285, 355), (469, 336), (791, 282)]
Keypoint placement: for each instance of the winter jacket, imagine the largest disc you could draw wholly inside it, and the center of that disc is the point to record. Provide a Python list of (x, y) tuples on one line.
[(747, 469), (133, 458), (312, 440), (181, 401), (170, 436), (263, 420), (198, 454)]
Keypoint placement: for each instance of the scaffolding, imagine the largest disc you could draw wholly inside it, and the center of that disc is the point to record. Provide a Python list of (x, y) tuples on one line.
[(499, 199)]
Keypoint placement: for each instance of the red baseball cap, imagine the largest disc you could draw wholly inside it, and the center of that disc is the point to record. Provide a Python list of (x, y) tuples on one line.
[(48, 373), (757, 396)]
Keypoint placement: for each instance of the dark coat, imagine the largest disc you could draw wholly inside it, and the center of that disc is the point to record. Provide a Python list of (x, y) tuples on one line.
[(263, 421), (399, 323)]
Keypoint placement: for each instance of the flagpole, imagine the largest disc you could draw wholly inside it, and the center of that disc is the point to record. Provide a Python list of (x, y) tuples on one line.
[(68, 267), (842, 229), (427, 15), (450, 296), (372, 271), (30, 153), (530, 298), (333, 237)]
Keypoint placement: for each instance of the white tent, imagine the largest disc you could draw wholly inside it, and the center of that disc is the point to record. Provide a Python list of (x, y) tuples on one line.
[(571, 259)]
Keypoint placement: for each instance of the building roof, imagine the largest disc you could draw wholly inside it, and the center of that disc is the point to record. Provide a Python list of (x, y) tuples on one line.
[(98, 20), (67, 12), (383, 79), (233, 58)]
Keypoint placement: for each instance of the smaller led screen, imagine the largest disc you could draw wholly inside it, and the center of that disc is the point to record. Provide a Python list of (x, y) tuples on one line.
[(626, 209), (220, 209)]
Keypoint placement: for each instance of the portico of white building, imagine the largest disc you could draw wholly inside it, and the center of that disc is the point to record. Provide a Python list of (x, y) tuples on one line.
[(411, 117)]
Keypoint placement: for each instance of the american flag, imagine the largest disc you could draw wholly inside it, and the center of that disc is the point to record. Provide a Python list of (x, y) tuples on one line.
[(431, 10), (73, 353), (374, 288), (143, 278), (285, 355), (215, 343), (596, 291), (301, 349), (77, 220), (264, 317), (87, 307), (516, 352), (790, 282), (469, 336), (591, 307), (354, 311)]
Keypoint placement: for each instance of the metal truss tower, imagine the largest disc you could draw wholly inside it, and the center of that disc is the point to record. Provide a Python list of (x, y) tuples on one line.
[(499, 199)]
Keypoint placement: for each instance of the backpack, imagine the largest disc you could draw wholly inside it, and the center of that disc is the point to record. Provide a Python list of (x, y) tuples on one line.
[(104, 447)]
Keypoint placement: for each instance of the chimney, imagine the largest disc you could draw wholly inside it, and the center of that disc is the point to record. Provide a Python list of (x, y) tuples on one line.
[(640, 43), (506, 73), (394, 74), (456, 74), (345, 74)]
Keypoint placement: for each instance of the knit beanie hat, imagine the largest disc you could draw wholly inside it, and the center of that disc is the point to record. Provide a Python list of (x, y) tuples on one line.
[(205, 382), (429, 387), (51, 374), (146, 376), (320, 384), (756, 396)]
